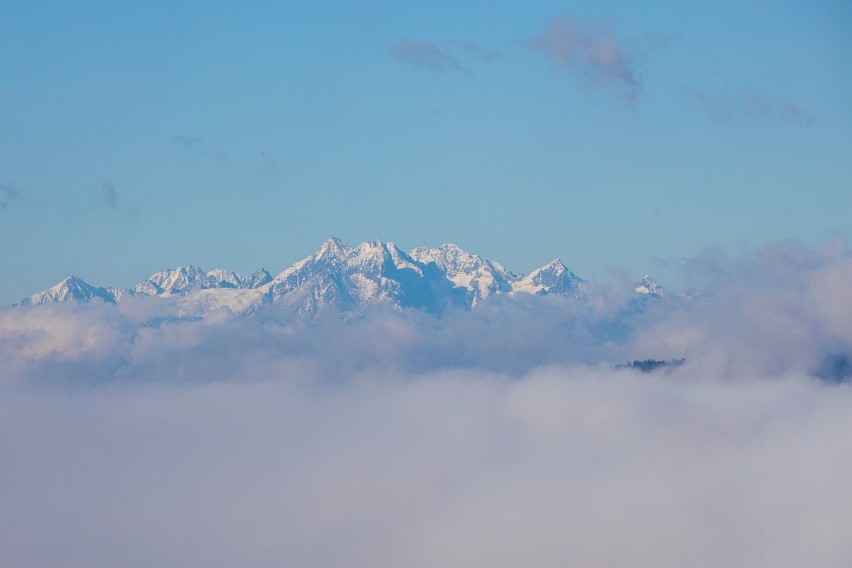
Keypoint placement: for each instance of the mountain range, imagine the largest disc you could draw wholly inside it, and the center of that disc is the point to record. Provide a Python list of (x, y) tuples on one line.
[(348, 279)]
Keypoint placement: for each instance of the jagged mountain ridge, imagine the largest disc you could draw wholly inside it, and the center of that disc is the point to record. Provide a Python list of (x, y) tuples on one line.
[(184, 279), (481, 277), (338, 276)]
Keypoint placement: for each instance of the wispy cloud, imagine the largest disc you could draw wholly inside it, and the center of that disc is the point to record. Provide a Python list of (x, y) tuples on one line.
[(483, 54), (110, 195), (262, 162), (782, 309), (110, 198), (779, 109), (199, 147), (8, 194), (741, 104), (426, 55), (591, 47), (265, 163)]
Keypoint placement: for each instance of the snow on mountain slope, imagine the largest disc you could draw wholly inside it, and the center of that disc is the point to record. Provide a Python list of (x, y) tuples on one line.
[(347, 279), (258, 279), (648, 291), (480, 277), (323, 264), (377, 271), (174, 282), (221, 278), (383, 274), (185, 279), (553, 278), (70, 289)]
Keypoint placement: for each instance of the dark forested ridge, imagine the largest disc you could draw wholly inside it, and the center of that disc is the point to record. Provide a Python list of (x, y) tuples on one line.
[(649, 365)]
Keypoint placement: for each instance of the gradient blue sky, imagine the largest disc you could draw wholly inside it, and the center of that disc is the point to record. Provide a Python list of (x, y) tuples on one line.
[(622, 134)]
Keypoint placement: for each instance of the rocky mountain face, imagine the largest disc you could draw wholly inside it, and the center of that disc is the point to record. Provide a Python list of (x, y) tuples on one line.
[(346, 279)]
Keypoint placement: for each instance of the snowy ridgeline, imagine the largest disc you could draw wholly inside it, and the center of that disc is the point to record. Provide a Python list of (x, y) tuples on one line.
[(347, 279)]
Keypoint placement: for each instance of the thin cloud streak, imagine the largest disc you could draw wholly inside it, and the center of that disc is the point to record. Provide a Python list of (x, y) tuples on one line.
[(446, 56), (481, 53), (262, 162), (426, 55), (110, 198), (110, 195), (741, 105)]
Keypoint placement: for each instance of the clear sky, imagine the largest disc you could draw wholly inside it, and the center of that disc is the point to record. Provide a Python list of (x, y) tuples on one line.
[(241, 135)]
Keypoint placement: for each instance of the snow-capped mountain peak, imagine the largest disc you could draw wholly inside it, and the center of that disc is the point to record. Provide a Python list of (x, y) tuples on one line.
[(331, 252), (376, 257), (332, 248), (70, 289), (552, 278), (381, 273), (648, 285), (257, 279), (176, 281), (402, 259), (555, 266)]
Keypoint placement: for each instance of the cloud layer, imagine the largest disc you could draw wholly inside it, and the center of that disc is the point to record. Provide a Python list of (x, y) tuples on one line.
[(453, 468), (496, 437)]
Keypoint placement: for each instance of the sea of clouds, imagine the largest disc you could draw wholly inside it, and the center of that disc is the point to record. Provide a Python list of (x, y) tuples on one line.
[(498, 437)]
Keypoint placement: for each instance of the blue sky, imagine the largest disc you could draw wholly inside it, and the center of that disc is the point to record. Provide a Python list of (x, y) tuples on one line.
[(618, 134)]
